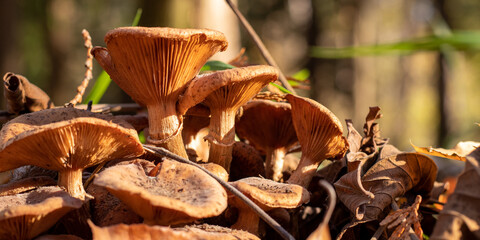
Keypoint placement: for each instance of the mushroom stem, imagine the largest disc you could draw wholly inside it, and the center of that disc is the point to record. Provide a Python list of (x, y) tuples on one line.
[(274, 163), (165, 128), (221, 137), (247, 221), (305, 171), (71, 180)]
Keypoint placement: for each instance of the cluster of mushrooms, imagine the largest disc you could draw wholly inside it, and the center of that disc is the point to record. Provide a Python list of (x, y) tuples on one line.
[(136, 195)]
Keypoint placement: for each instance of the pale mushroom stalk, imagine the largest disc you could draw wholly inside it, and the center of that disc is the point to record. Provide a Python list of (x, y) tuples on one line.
[(71, 180), (247, 221), (165, 128), (222, 132), (274, 163), (305, 171)]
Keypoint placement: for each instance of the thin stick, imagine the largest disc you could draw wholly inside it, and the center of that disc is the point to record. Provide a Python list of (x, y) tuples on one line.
[(88, 72), (331, 202), (269, 220), (263, 50)]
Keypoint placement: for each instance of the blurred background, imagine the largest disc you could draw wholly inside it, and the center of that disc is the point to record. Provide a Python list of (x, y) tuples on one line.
[(426, 86)]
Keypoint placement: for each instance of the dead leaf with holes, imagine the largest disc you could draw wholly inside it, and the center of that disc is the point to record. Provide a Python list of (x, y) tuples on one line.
[(403, 219)]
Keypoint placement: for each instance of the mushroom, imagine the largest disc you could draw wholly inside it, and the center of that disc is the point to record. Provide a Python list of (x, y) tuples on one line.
[(320, 135), (213, 232), (224, 92), (26, 215), (66, 140), (193, 134), (179, 193), (138, 232), (246, 162), (24, 185), (268, 195), (153, 66), (268, 126)]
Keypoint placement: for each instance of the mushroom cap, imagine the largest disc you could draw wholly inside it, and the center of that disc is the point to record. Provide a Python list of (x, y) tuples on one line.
[(65, 138), (228, 88), (138, 232), (26, 215), (319, 131), (26, 184), (275, 120), (213, 232), (269, 194), (180, 192), (156, 63)]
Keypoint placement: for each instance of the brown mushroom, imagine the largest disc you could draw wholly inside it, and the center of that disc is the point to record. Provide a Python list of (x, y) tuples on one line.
[(179, 193), (192, 134), (153, 66), (320, 135), (268, 126), (213, 232), (268, 195), (246, 162), (26, 215), (138, 232), (66, 140), (224, 92), (24, 185)]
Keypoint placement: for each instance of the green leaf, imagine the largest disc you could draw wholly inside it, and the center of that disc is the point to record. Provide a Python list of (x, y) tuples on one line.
[(302, 75), (103, 80), (460, 41), (215, 66), (284, 90)]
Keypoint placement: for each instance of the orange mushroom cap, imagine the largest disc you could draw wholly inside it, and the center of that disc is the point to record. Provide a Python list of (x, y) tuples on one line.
[(320, 134), (26, 215), (179, 193)]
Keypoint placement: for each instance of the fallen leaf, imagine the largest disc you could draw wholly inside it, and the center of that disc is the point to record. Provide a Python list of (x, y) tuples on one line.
[(459, 152), (403, 219), (460, 217)]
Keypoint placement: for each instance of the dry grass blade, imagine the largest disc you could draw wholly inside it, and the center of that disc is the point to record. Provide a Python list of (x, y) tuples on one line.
[(88, 72), (263, 50), (403, 219)]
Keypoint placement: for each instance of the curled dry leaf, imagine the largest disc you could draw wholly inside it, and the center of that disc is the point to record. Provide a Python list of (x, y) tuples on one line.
[(23, 96), (390, 177), (403, 219), (460, 216), (459, 152)]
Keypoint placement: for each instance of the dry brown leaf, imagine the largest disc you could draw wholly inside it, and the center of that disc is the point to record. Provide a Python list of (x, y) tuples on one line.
[(460, 217), (459, 152), (403, 219), (390, 177), (23, 96)]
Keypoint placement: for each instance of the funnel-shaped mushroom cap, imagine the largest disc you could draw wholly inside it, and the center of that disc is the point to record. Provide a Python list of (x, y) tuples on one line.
[(150, 64), (320, 135), (269, 194), (65, 138), (26, 215), (227, 89), (319, 131), (267, 124), (138, 232), (180, 193)]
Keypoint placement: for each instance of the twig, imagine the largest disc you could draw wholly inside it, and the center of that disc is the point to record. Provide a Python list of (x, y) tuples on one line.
[(331, 202), (88, 72), (263, 50), (269, 220)]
